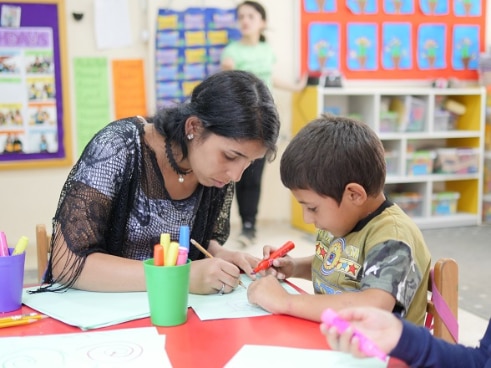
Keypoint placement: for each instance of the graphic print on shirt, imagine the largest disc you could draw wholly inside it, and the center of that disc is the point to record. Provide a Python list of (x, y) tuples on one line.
[(337, 263)]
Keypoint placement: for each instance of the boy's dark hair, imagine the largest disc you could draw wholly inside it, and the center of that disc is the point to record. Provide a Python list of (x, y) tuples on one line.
[(330, 152)]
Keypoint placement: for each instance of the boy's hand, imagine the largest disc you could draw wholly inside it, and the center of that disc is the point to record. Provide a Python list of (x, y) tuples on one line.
[(267, 293), (281, 268)]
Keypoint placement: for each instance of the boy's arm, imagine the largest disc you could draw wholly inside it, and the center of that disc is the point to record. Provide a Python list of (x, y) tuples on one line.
[(268, 294)]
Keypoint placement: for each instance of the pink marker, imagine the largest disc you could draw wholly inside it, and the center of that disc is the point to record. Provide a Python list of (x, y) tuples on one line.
[(330, 318), (182, 256)]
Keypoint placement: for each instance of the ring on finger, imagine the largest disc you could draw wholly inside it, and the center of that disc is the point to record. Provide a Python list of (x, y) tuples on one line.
[(222, 290)]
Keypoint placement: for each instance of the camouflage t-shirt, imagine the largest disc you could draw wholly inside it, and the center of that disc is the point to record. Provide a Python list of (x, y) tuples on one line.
[(384, 251)]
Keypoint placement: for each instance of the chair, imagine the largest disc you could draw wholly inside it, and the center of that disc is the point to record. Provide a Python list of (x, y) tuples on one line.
[(42, 245), (445, 277)]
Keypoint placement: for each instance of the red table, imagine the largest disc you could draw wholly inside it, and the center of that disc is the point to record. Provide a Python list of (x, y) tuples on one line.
[(206, 343)]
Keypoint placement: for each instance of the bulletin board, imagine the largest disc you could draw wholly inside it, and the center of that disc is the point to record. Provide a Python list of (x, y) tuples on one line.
[(189, 44), (34, 114), (393, 39)]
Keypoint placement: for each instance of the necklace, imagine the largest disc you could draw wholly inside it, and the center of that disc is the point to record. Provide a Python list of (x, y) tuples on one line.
[(172, 161)]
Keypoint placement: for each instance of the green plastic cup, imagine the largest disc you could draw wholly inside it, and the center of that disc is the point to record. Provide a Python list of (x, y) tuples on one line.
[(167, 289)]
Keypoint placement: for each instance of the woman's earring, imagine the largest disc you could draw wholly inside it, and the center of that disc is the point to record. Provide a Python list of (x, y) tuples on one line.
[(190, 136)]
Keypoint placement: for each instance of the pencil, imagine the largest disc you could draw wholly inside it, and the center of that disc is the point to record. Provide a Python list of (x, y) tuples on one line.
[(21, 316), (21, 321), (208, 254)]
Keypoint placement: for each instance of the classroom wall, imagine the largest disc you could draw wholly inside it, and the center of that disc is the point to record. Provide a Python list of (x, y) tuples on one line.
[(30, 196)]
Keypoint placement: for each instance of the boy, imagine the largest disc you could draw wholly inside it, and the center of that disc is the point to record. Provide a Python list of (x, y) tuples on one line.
[(368, 251)]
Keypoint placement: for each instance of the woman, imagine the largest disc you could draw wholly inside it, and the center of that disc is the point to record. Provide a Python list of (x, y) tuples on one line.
[(138, 178)]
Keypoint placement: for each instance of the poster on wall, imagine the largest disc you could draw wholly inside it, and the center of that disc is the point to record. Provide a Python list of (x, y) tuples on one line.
[(188, 48), (33, 127), (377, 39)]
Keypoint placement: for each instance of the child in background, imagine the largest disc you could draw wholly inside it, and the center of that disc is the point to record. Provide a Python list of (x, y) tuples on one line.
[(400, 339), (253, 54), (368, 251)]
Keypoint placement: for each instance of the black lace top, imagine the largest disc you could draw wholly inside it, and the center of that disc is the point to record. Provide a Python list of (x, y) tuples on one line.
[(114, 201)]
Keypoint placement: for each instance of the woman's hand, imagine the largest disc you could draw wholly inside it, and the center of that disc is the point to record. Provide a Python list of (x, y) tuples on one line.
[(213, 275), (244, 261)]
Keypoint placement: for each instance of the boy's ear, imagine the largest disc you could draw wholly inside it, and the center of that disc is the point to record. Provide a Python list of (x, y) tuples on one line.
[(355, 193)]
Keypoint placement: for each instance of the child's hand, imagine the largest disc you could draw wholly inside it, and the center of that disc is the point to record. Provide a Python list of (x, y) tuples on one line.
[(267, 293), (282, 267)]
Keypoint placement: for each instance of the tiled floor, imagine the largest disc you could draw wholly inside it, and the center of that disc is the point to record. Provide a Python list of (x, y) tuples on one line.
[(472, 326)]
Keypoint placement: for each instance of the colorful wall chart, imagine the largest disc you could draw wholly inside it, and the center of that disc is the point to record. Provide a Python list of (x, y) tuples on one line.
[(34, 127), (188, 48), (377, 39)]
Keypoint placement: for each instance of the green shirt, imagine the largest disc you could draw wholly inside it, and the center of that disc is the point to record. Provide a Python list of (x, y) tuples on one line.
[(257, 59)]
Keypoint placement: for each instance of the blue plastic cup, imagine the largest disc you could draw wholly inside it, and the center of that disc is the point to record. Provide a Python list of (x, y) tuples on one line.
[(11, 281)]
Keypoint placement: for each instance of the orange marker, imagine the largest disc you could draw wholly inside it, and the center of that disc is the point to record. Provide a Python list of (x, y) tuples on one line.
[(158, 255), (280, 252)]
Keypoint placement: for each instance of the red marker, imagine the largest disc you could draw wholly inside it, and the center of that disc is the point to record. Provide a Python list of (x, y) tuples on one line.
[(280, 252)]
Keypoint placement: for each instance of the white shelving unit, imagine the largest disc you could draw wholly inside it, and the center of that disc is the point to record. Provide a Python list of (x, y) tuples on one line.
[(367, 104)]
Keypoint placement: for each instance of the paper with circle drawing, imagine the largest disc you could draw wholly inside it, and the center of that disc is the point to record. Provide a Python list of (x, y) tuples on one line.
[(233, 305), (135, 347)]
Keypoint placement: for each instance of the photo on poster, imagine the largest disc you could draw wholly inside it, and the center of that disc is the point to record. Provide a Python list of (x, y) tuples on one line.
[(399, 6), (467, 8), (42, 115), (10, 61), (11, 143), (39, 61), (362, 46), (397, 46), (362, 6), (43, 141), (465, 47), (435, 7), (11, 116), (325, 6), (40, 88), (431, 45), (10, 16), (323, 46)]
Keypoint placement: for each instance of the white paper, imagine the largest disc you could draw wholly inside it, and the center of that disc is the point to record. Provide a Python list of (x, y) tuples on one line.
[(112, 23), (259, 356), (232, 305), (87, 309), (135, 347)]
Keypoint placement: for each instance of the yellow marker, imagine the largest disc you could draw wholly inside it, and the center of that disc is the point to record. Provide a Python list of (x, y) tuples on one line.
[(165, 242), (171, 256), (21, 245)]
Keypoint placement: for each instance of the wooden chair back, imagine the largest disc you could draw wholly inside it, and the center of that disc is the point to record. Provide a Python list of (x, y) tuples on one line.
[(446, 278), (42, 245)]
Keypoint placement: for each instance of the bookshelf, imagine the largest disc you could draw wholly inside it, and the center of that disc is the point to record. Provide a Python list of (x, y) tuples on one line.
[(414, 145)]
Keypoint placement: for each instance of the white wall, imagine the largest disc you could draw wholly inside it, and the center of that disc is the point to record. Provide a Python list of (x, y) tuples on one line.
[(30, 196)]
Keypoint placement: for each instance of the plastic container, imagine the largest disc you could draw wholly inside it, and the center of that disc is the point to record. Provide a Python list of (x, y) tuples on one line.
[(487, 175), (444, 203), (392, 162), (443, 120), (420, 162), (486, 209), (410, 202), (389, 122), (457, 160), (416, 116)]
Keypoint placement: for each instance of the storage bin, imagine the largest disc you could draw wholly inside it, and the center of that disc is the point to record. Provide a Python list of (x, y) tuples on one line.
[(420, 162), (486, 209), (443, 120), (416, 115), (410, 202), (487, 175), (457, 160), (389, 122), (444, 203), (392, 162)]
